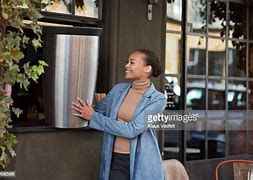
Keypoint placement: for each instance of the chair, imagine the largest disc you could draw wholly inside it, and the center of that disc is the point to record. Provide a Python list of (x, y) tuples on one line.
[(174, 170), (242, 169)]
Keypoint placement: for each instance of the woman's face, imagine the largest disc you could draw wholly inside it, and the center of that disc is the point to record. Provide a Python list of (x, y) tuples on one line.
[(136, 68)]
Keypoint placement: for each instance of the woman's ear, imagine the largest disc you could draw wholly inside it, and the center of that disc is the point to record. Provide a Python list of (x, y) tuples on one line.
[(148, 69)]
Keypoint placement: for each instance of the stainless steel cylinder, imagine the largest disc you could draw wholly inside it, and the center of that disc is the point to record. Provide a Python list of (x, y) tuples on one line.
[(72, 73)]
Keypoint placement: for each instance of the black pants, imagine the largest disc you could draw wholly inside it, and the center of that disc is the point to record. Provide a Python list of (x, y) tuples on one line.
[(120, 167)]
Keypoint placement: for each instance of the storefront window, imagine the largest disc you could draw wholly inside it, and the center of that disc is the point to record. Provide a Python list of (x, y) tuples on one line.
[(217, 18), (31, 101), (237, 136), (250, 92), (195, 136), (250, 142), (196, 94), (31, 104), (216, 94), (172, 92), (250, 60), (171, 138), (250, 17), (171, 144), (216, 57), (217, 81), (174, 15), (196, 55), (173, 56), (196, 16), (84, 8), (87, 8), (216, 139), (236, 59), (58, 6), (195, 145), (236, 96), (173, 53), (237, 20)]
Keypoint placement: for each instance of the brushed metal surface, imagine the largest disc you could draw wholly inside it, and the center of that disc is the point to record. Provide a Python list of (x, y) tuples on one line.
[(72, 71)]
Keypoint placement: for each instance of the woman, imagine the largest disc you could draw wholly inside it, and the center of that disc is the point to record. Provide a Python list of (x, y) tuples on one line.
[(130, 149)]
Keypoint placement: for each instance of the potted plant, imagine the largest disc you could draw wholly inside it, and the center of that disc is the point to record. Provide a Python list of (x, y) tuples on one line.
[(12, 41)]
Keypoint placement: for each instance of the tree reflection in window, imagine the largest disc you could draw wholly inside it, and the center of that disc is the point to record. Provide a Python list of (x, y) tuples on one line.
[(88, 8), (58, 6)]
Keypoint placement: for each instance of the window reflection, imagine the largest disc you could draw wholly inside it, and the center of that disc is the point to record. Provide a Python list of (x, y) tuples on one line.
[(237, 142), (237, 20), (58, 6), (196, 94), (250, 59), (216, 57), (216, 139), (225, 58), (86, 8), (250, 119), (250, 91), (171, 138), (173, 53), (216, 94), (196, 55), (171, 144), (195, 136), (237, 136), (174, 15), (236, 59), (31, 102), (196, 14), (236, 95), (217, 18), (251, 21), (250, 139), (172, 92), (195, 145)]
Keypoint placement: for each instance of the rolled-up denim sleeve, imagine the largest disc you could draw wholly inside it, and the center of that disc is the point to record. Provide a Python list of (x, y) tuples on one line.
[(101, 106), (127, 129)]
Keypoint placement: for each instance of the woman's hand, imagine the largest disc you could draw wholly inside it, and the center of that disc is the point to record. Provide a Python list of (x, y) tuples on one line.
[(84, 110)]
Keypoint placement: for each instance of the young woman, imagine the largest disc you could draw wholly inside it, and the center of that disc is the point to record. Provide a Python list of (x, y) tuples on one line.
[(130, 149)]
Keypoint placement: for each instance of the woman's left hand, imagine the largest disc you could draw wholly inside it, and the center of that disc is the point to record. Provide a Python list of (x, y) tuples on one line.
[(84, 110)]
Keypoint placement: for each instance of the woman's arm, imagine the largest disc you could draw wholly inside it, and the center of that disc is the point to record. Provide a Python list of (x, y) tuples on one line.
[(127, 129)]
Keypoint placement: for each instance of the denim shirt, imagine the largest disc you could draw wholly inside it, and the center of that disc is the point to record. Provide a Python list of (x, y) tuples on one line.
[(145, 158)]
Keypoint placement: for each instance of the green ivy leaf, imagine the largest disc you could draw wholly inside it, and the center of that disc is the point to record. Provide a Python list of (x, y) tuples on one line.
[(36, 43), (10, 141), (25, 39), (11, 43), (17, 54), (3, 154), (16, 111), (7, 100), (43, 63)]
